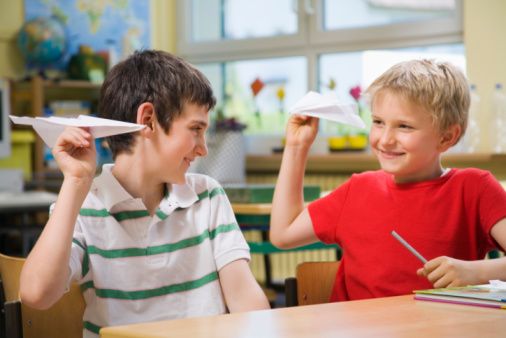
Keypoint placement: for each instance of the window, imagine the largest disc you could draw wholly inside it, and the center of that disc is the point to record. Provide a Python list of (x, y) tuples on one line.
[(303, 45)]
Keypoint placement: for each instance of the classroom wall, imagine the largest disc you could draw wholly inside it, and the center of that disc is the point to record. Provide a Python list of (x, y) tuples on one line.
[(11, 19), (484, 37), (485, 41)]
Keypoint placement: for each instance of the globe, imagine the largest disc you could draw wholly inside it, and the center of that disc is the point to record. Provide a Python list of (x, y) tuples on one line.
[(42, 41)]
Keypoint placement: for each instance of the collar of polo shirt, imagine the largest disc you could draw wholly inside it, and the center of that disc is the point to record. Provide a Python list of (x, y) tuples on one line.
[(112, 193)]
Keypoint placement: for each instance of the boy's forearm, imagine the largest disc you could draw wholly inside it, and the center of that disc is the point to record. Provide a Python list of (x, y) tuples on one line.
[(252, 298), (241, 290), (489, 269), (288, 200), (45, 272)]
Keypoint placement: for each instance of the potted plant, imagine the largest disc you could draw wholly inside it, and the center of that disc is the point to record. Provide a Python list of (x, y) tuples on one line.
[(226, 158)]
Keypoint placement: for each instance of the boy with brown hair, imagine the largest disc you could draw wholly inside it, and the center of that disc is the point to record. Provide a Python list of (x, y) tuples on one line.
[(453, 217), (145, 240)]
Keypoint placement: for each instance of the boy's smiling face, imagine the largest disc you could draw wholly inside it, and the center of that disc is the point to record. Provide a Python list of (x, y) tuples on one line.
[(405, 140), (184, 142)]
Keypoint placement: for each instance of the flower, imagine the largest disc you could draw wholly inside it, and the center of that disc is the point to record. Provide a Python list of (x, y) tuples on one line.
[(363, 111), (229, 124), (256, 86), (280, 93), (356, 92), (332, 84)]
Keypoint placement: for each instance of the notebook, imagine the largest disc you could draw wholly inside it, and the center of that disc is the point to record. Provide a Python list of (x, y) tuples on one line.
[(486, 295)]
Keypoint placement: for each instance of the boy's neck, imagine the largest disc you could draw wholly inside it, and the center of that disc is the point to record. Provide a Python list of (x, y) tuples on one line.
[(139, 183), (432, 173)]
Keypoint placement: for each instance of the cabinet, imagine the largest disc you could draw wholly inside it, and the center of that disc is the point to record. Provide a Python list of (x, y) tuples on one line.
[(30, 97)]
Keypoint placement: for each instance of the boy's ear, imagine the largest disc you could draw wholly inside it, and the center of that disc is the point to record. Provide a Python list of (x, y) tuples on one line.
[(146, 116), (450, 137)]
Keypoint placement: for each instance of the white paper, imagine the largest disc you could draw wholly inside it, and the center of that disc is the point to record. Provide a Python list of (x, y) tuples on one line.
[(50, 128), (497, 284), (327, 107)]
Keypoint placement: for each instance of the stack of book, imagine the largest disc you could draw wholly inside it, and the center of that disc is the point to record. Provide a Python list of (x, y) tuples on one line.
[(478, 295)]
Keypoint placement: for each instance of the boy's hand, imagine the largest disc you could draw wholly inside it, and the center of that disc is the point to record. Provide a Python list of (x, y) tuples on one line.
[(75, 153), (301, 130), (445, 272)]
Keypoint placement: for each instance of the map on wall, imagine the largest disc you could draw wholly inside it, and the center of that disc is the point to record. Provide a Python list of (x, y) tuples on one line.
[(115, 26)]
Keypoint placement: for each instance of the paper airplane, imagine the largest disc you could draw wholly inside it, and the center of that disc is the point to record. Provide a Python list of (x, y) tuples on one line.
[(50, 128), (327, 107)]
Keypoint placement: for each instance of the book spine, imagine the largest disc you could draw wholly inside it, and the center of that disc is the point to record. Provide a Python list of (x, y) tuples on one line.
[(448, 301)]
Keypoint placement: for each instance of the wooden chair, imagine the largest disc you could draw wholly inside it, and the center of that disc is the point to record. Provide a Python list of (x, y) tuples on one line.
[(63, 320), (312, 284)]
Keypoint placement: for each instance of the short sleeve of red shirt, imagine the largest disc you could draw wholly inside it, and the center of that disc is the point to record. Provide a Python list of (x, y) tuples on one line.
[(491, 202), (325, 212)]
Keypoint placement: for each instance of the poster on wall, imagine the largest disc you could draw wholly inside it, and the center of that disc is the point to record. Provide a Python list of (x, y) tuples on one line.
[(114, 28)]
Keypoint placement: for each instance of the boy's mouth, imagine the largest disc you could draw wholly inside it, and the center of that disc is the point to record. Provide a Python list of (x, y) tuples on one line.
[(390, 154)]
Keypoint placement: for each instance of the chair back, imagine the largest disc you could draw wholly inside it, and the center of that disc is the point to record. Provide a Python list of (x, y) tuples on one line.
[(10, 270), (62, 320), (313, 283)]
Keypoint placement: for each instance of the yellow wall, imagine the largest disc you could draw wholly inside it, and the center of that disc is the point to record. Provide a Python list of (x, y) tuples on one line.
[(484, 38), (11, 18), (485, 43)]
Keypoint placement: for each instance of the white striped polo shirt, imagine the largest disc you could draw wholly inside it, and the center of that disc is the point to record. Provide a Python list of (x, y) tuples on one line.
[(136, 268)]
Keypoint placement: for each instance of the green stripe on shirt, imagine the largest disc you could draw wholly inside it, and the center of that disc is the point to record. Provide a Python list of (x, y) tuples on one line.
[(216, 191), (91, 327), (86, 258), (131, 214), (161, 291), (94, 212), (164, 248), (134, 214), (223, 228)]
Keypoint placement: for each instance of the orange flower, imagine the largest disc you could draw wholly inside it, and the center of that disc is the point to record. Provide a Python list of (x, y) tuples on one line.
[(256, 86)]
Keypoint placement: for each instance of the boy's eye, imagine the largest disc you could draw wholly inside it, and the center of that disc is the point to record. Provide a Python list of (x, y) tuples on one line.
[(405, 126), (197, 130), (376, 121)]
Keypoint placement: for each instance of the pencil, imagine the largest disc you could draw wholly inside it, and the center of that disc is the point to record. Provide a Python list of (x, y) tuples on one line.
[(409, 247)]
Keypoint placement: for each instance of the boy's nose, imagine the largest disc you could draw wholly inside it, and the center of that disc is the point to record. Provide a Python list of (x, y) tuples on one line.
[(201, 148), (387, 137)]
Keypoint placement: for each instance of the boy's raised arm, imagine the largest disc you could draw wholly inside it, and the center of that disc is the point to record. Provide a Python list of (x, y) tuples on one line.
[(46, 270), (290, 222)]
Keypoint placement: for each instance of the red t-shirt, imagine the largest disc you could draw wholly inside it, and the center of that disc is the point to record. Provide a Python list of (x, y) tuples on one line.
[(451, 216)]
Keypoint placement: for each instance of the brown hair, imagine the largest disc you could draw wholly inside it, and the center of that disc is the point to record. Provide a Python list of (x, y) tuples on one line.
[(438, 87), (165, 80)]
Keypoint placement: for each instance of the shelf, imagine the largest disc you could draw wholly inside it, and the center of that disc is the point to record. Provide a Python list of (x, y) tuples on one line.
[(348, 163), (61, 84), (30, 97)]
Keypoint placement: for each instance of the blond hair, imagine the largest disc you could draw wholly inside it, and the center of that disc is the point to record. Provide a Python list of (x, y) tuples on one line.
[(438, 87)]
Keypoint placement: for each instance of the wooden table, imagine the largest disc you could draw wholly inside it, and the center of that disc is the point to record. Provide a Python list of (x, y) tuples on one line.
[(252, 208), (382, 317)]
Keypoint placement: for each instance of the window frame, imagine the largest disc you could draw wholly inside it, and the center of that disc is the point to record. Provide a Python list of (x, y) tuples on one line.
[(310, 38), (311, 41)]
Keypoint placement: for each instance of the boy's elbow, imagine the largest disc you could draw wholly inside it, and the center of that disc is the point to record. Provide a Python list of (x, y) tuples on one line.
[(36, 298), (278, 241)]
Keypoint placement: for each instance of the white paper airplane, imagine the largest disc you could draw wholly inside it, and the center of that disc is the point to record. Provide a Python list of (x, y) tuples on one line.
[(49, 128), (327, 107)]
